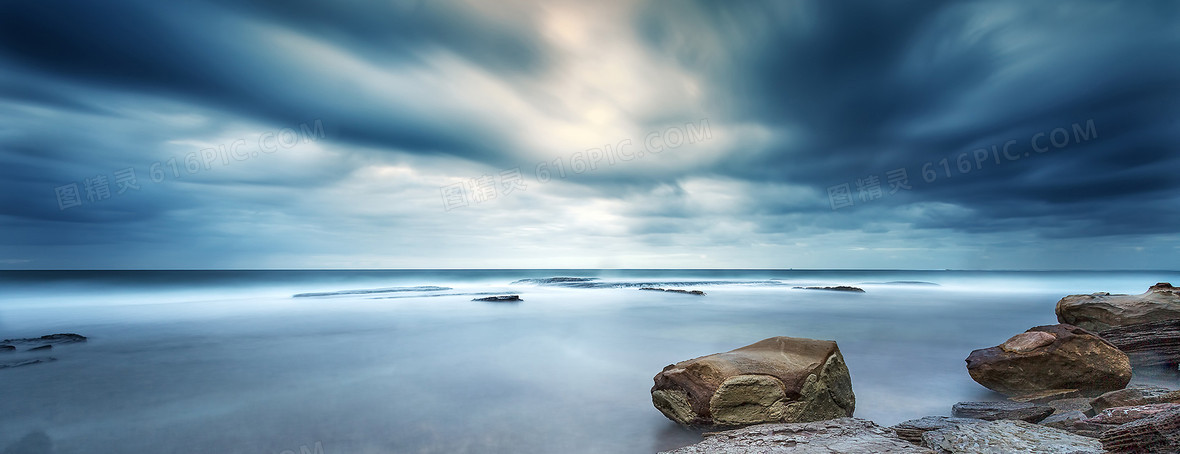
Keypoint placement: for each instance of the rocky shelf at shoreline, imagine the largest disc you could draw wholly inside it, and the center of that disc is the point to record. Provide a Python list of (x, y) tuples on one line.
[(1067, 389)]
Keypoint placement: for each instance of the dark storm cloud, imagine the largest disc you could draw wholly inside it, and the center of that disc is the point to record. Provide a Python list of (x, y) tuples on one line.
[(868, 87), (801, 96), (213, 55)]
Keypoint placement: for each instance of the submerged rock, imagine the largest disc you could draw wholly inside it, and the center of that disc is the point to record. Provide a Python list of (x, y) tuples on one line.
[(993, 411), (835, 436), (1009, 436), (43, 347), (1148, 344), (500, 299), (7, 348), (62, 338), (780, 379), (838, 288), (1051, 357), (559, 280), (913, 429), (674, 290), (1103, 311), (1159, 433), (35, 442), (25, 362)]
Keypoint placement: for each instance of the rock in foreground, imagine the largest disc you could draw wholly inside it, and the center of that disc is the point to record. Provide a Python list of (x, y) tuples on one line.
[(1135, 395), (1103, 311), (836, 436), (1009, 437), (993, 411), (1051, 357), (1156, 434), (780, 379), (913, 429)]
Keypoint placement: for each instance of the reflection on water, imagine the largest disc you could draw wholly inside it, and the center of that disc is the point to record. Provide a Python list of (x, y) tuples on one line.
[(236, 365)]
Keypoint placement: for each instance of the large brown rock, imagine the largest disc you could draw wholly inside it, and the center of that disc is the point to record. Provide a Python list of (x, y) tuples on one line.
[(1148, 344), (836, 436), (1103, 311), (1048, 358), (781, 379)]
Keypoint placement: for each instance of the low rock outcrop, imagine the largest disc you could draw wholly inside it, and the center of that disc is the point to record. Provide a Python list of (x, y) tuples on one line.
[(913, 429), (1102, 311), (1148, 344), (1135, 395), (994, 411), (836, 436), (1009, 437), (1159, 433)]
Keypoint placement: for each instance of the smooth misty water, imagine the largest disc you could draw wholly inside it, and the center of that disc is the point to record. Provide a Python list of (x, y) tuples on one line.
[(230, 362)]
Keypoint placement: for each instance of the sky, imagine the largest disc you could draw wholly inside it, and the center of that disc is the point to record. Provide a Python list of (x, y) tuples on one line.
[(565, 134)]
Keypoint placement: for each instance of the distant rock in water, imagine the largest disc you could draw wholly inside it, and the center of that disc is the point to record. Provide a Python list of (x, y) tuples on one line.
[(1102, 311), (63, 338), (902, 283), (25, 362), (36, 344), (35, 442), (500, 299), (838, 288), (674, 290), (420, 288), (555, 280)]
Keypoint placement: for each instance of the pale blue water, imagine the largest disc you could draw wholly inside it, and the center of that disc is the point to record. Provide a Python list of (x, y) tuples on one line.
[(405, 362)]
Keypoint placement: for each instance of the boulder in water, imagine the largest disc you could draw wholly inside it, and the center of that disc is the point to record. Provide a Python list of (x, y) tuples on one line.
[(1051, 357), (780, 379)]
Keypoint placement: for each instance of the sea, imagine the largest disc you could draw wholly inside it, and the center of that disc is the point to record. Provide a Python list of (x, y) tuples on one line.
[(406, 361)]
